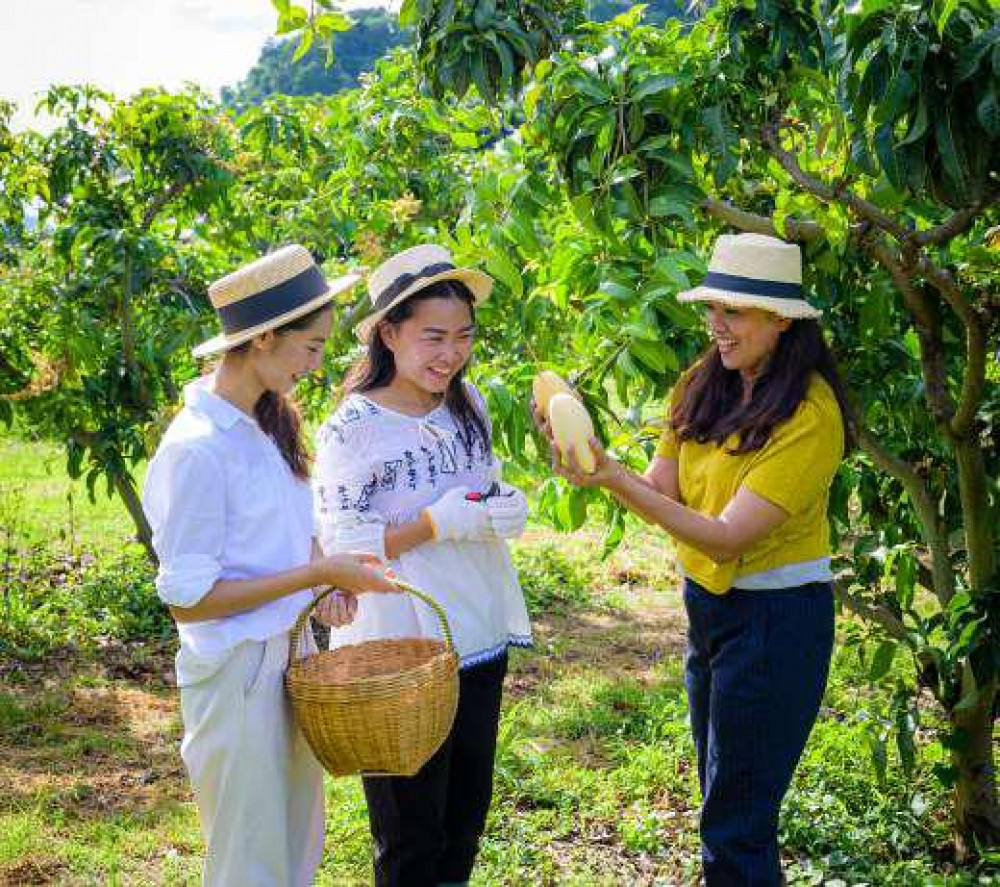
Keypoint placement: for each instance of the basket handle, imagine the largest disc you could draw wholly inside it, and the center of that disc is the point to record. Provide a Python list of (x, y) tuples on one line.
[(301, 622)]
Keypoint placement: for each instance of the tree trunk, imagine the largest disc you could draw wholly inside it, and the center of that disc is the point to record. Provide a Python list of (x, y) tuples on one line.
[(977, 810), (130, 496)]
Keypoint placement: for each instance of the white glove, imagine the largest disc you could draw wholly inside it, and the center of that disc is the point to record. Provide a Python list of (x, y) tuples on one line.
[(508, 511), (455, 517)]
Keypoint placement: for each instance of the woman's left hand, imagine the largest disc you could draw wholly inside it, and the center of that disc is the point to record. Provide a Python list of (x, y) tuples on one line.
[(605, 472), (337, 609)]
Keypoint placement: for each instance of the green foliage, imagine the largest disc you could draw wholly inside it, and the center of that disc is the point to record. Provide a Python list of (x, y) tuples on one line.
[(373, 33), (53, 601)]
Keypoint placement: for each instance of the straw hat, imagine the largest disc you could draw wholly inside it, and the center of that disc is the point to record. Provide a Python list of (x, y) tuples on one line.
[(757, 271), (409, 272), (268, 293)]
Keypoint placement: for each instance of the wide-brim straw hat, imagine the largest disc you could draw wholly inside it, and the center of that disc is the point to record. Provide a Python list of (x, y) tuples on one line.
[(410, 271), (267, 294), (756, 271)]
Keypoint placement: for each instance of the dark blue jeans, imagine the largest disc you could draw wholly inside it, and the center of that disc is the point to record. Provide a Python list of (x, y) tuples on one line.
[(756, 668)]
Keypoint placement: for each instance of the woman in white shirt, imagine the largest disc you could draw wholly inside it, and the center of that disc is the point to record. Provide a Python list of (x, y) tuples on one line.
[(396, 464), (228, 499)]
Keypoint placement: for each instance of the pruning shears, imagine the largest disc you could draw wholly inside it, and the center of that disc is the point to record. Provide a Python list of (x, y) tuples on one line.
[(494, 490)]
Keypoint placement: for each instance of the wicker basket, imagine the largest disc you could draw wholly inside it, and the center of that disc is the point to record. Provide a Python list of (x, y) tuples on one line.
[(379, 707)]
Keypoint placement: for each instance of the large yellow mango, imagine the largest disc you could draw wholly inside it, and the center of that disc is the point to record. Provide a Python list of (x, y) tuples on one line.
[(572, 429), (547, 384)]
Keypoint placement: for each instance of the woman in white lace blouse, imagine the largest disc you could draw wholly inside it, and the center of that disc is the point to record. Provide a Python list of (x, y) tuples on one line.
[(396, 465)]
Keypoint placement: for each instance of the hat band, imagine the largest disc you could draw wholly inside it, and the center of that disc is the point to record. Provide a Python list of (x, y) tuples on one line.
[(404, 281), (734, 283), (273, 302)]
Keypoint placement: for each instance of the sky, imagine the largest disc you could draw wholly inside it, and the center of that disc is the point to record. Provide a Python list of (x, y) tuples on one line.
[(124, 45)]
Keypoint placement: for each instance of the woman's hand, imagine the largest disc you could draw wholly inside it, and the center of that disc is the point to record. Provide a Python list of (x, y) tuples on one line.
[(336, 610), (354, 572), (606, 472), (541, 421)]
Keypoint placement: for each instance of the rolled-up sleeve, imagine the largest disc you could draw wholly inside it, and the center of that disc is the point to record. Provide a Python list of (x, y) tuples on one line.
[(184, 500)]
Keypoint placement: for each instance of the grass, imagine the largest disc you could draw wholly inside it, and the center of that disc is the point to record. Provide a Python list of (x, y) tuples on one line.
[(595, 781), (44, 506)]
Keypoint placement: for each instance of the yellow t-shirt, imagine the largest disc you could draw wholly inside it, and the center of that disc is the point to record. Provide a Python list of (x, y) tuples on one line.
[(794, 470)]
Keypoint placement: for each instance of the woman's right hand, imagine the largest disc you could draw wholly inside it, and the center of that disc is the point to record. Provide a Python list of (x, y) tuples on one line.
[(355, 572)]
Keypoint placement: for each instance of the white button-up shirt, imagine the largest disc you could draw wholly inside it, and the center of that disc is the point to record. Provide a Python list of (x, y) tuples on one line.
[(223, 504)]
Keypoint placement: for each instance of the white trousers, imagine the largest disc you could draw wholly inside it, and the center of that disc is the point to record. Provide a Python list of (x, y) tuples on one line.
[(258, 788)]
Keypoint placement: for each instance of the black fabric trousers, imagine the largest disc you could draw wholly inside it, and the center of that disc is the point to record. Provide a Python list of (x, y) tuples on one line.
[(426, 828)]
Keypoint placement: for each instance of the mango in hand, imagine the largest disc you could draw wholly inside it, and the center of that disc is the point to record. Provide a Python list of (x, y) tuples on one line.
[(572, 429), (545, 386)]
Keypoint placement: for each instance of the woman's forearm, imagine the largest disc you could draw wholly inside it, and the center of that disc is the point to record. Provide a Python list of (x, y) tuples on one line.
[(709, 535), (229, 596), (407, 536)]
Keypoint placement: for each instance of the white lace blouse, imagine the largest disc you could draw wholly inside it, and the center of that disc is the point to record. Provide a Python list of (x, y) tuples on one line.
[(376, 467)]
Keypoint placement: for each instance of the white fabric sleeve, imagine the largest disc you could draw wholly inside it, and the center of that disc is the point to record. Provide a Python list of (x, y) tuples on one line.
[(343, 483), (185, 503)]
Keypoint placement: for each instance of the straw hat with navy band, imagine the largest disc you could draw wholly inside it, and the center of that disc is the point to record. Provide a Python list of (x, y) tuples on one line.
[(268, 293), (409, 272), (756, 271)]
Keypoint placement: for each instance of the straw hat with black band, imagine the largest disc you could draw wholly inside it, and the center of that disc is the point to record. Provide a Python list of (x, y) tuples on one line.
[(267, 294), (409, 272), (756, 271)]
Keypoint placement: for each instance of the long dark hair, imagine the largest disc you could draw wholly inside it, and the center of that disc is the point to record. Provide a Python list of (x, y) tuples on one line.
[(377, 368), (711, 405), (278, 416)]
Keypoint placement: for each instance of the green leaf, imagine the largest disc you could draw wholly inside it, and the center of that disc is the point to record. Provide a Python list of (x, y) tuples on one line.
[(882, 660), (953, 162), (654, 85), (946, 10), (503, 269), (305, 44), (649, 353), (988, 113)]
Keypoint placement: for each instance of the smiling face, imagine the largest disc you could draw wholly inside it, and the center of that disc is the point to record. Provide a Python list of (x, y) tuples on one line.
[(283, 357), (746, 337), (432, 345)]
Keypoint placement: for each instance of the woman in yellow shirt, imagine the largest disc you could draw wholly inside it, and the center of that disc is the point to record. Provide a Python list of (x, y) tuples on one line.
[(741, 480)]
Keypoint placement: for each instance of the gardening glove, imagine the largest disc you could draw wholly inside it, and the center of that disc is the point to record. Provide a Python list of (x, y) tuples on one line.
[(457, 518), (508, 511)]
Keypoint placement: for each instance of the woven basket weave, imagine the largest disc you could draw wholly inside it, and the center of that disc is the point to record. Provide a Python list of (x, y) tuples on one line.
[(379, 707)]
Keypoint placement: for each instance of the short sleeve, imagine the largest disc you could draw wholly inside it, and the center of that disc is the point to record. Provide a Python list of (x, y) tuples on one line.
[(185, 501), (343, 484), (668, 446), (796, 466)]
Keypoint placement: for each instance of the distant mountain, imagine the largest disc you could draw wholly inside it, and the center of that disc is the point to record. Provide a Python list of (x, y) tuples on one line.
[(375, 32)]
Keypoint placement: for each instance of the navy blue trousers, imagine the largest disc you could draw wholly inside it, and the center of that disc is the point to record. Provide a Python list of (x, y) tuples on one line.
[(756, 669), (426, 828)]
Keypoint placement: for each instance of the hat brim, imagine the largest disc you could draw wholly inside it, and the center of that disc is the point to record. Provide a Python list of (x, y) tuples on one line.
[(479, 284), (224, 342), (795, 309)]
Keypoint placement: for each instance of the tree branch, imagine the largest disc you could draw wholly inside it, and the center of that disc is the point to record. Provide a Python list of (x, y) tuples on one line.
[(931, 529), (958, 223), (830, 193), (795, 229), (871, 612), (974, 378), (928, 327)]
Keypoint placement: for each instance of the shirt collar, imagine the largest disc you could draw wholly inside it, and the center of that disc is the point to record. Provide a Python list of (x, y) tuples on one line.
[(218, 410)]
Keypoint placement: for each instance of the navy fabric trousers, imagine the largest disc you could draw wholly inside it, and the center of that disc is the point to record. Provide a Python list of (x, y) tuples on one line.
[(756, 669), (427, 827)]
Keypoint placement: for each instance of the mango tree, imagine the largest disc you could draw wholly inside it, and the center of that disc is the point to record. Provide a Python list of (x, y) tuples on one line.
[(104, 291), (870, 133)]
